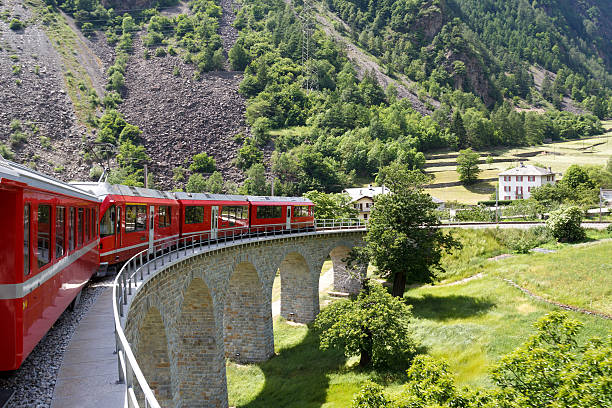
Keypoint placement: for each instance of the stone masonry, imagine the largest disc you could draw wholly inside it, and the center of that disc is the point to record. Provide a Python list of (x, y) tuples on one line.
[(187, 318)]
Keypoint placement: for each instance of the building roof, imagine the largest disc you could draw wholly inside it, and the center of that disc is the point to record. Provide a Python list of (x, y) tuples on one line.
[(527, 170), (370, 192)]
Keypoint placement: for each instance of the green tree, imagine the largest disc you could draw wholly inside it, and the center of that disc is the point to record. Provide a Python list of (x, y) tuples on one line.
[(552, 370), (565, 224), (238, 57), (375, 326), (403, 240), (132, 155), (576, 176), (255, 183), (458, 129), (467, 166), (130, 132), (331, 205), (214, 183), (203, 163), (248, 155), (196, 184)]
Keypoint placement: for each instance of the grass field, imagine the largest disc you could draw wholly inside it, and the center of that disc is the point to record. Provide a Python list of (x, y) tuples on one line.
[(471, 325), (558, 156)]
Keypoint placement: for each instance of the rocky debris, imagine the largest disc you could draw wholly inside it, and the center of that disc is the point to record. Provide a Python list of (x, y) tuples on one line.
[(181, 116), (35, 380), (227, 31)]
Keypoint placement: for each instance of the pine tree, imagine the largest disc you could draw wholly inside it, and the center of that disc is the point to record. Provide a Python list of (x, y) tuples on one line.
[(458, 129)]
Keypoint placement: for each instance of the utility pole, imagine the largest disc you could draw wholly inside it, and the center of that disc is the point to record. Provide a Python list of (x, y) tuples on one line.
[(311, 81), (146, 176)]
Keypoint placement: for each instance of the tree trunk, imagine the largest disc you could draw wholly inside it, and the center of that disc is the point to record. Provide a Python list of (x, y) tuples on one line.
[(399, 284), (366, 349)]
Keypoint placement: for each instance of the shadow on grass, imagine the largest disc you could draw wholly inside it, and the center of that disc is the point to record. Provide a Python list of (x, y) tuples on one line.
[(480, 187), (448, 307), (298, 376)]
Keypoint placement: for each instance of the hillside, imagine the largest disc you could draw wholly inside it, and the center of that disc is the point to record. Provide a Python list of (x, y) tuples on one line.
[(160, 82)]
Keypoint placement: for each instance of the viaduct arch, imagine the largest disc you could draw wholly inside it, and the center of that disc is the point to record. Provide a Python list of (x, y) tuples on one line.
[(187, 318)]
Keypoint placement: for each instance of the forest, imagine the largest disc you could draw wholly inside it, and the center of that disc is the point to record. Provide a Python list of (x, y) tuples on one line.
[(473, 63)]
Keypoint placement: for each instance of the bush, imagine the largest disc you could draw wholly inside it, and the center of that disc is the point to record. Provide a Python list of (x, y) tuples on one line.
[(609, 229), (564, 224), (521, 241), (203, 163), (16, 24), (160, 52), (6, 152), (370, 396)]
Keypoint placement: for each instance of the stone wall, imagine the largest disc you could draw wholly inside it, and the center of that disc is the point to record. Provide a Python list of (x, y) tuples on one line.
[(188, 317)]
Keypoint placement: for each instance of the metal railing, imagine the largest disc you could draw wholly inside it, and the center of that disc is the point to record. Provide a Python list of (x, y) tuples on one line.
[(149, 261)]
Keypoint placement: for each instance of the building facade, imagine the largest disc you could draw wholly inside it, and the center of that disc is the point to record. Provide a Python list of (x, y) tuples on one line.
[(362, 199), (517, 183)]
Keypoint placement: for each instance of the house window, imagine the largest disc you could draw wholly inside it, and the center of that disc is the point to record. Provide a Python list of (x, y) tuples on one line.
[(530, 178), (507, 188), (507, 198), (519, 197), (519, 189), (519, 178), (365, 216)]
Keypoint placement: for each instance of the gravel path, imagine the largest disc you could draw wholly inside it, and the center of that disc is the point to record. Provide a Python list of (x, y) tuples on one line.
[(33, 383)]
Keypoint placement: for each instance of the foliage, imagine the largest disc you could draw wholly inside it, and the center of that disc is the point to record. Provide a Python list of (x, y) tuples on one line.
[(552, 370), (522, 240), (565, 225), (331, 205), (6, 152), (402, 239), (467, 166), (248, 155), (203, 163), (16, 24), (255, 183), (370, 396), (375, 326), (198, 184)]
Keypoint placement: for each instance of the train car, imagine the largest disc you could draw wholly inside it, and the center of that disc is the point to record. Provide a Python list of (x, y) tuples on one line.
[(213, 216), (280, 213), (48, 252), (132, 219)]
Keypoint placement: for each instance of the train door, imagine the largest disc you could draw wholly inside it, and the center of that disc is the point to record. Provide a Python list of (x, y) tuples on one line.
[(118, 240), (151, 227), (288, 217), (214, 221)]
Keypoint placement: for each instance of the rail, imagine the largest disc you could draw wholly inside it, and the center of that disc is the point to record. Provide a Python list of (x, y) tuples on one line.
[(139, 267)]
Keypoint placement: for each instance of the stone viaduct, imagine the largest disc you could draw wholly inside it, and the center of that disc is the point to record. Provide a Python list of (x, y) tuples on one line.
[(189, 316)]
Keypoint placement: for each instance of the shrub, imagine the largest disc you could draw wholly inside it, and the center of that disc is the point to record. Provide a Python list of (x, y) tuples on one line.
[(95, 172), (18, 138), (248, 155), (203, 163), (565, 225), (160, 52), (16, 24), (6, 152), (609, 229), (370, 396)]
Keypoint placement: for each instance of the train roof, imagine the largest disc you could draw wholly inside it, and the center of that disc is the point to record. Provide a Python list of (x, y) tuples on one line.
[(209, 196), (22, 174), (103, 189), (275, 200)]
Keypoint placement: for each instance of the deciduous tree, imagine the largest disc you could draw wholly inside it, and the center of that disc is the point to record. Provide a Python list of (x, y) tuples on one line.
[(467, 166)]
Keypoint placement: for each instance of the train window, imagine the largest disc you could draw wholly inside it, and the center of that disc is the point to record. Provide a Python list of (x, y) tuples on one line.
[(194, 214), (26, 239), (164, 213), (301, 211), (71, 228), (269, 211), (60, 232), (80, 227), (135, 218), (107, 224), (93, 223), (43, 252)]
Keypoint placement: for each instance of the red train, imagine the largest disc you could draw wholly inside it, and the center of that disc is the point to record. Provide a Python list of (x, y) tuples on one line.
[(57, 235)]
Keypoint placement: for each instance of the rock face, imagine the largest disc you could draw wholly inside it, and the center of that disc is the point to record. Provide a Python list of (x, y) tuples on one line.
[(180, 116), (33, 92)]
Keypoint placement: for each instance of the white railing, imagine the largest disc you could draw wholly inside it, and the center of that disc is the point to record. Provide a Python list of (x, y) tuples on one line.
[(140, 267)]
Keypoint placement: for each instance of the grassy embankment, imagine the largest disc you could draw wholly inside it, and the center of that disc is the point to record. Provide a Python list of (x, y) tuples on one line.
[(471, 325)]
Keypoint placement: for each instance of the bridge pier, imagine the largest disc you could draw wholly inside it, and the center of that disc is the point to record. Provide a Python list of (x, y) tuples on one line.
[(299, 289), (346, 279), (247, 318)]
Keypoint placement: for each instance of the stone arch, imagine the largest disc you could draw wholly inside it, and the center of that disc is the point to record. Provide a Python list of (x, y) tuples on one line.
[(152, 356), (199, 357), (247, 320), (299, 289)]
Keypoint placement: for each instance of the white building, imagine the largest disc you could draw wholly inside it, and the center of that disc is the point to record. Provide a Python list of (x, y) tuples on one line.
[(362, 199), (517, 183)]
